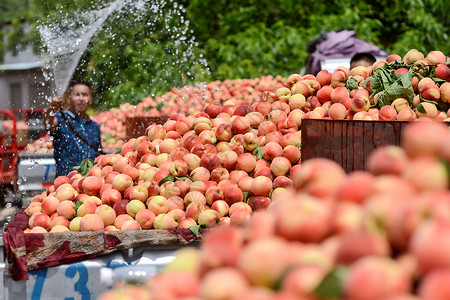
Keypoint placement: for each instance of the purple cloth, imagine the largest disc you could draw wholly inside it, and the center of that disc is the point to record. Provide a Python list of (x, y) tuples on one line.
[(341, 44)]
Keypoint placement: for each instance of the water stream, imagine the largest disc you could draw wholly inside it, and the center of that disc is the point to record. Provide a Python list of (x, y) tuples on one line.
[(67, 41)]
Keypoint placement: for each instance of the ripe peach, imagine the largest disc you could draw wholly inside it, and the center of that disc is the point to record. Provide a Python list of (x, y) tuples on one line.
[(272, 150), (385, 276), (107, 213), (434, 286), (130, 225), (258, 263), (387, 113), (337, 111), (91, 222), (86, 208), (223, 283), (66, 208), (261, 186), (412, 56), (121, 182)]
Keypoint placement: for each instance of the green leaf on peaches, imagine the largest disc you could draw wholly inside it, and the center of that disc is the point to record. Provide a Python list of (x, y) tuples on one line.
[(421, 109), (245, 196), (258, 152), (167, 178), (195, 230), (331, 285), (77, 205), (85, 166), (351, 83)]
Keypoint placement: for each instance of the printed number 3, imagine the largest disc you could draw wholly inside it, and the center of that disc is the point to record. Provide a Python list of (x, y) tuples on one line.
[(80, 285)]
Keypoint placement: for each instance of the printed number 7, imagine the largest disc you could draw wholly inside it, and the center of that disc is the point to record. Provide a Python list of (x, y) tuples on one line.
[(39, 284)]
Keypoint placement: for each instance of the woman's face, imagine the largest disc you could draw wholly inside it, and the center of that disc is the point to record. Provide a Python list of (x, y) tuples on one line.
[(80, 99)]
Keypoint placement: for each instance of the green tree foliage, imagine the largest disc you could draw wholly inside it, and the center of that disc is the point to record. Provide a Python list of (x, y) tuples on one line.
[(238, 39)]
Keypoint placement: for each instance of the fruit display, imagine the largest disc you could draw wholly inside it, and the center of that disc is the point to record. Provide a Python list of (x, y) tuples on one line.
[(381, 234), (222, 163), (271, 225)]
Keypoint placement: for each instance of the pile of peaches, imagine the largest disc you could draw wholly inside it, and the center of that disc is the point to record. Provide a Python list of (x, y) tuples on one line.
[(222, 163), (380, 234)]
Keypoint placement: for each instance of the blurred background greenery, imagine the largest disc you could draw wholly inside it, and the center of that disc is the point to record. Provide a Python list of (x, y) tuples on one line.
[(238, 39)]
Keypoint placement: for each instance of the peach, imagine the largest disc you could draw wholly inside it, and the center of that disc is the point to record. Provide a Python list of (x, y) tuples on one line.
[(192, 160), (445, 92), (246, 162), (157, 204), (266, 127), (388, 159), (379, 276), (400, 103), (121, 219), (74, 224), (258, 263), (261, 186), (356, 187), (233, 194), (393, 57), (228, 159), (356, 245), (406, 114), (208, 218), (324, 94), (155, 131), (60, 220), (280, 166), (300, 87), (48, 205), (107, 213), (40, 220), (434, 286), (66, 208), (412, 56), (219, 174), (168, 189), (130, 225), (442, 72), (121, 182), (387, 113), (186, 223), (91, 222), (337, 111), (194, 196), (338, 94), (86, 208), (292, 153), (302, 280), (223, 283), (245, 184), (210, 161), (360, 103), (436, 57), (272, 150), (413, 135), (59, 228), (308, 220), (111, 196), (338, 78), (324, 77)]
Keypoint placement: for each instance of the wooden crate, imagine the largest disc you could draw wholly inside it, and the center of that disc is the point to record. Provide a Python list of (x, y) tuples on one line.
[(348, 142), (136, 126)]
